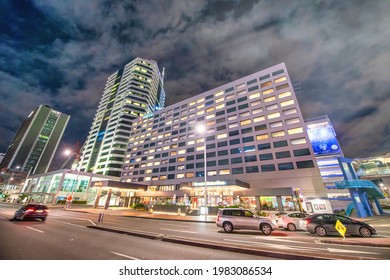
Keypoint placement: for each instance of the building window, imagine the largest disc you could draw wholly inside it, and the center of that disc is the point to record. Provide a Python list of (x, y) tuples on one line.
[(236, 160), (268, 168), (279, 144), (292, 121), (273, 115), (287, 103), (290, 112), (247, 139), (284, 94), (262, 136), (284, 154), (266, 84), (278, 134), (305, 164), (266, 156), (301, 152), (259, 119), (298, 141), (224, 172), (264, 146), (234, 141), (235, 151), (238, 170), (223, 162), (252, 169), (252, 158), (268, 91), (295, 130)]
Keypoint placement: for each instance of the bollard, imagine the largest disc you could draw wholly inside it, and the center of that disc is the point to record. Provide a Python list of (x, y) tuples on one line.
[(100, 218)]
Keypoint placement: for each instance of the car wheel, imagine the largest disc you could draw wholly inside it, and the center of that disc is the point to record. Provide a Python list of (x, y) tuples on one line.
[(320, 231), (291, 227), (227, 227), (43, 219), (266, 229), (365, 232)]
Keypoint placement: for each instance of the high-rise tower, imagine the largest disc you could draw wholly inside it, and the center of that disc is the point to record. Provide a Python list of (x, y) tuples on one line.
[(130, 93), (36, 141)]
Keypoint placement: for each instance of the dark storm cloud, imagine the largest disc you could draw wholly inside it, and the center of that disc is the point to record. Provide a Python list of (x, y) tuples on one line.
[(60, 53)]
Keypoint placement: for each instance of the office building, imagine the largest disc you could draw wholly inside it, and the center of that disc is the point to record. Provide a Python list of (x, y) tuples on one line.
[(130, 93), (36, 141), (255, 150)]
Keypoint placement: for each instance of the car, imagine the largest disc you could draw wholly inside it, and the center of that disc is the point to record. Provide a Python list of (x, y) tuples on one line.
[(35, 211), (291, 221), (324, 224), (238, 218)]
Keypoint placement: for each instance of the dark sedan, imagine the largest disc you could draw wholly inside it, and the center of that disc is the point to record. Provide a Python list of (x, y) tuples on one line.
[(34, 211), (324, 224)]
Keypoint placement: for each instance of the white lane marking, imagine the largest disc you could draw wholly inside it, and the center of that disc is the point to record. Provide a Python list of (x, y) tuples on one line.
[(92, 222), (65, 223), (334, 250), (35, 229), (274, 238), (125, 256), (2, 218), (280, 246), (184, 231)]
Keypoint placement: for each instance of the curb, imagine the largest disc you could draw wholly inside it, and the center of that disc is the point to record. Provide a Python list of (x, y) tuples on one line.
[(219, 246)]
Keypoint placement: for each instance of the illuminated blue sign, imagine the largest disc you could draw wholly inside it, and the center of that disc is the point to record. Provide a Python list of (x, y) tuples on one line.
[(324, 141)]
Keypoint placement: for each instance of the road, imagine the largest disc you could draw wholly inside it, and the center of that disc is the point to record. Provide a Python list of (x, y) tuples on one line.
[(65, 235)]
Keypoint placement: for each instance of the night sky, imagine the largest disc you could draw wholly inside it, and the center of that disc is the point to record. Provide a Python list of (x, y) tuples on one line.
[(60, 53)]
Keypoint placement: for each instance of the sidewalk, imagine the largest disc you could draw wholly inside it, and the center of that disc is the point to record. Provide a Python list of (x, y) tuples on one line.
[(127, 212)]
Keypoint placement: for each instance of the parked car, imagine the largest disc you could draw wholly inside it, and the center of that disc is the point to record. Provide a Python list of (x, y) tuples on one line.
[(276, 216), (324, 224), (237, 218), (292, 221), (35, 211)]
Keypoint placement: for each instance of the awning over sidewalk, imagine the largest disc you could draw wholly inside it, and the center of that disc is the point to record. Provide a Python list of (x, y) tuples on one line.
[(119, 185)]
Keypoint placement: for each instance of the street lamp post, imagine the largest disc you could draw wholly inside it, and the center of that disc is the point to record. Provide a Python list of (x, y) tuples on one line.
[(201, 129)]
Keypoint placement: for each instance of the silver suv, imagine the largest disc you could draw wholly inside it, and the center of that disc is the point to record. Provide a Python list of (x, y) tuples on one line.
[(237, 218)]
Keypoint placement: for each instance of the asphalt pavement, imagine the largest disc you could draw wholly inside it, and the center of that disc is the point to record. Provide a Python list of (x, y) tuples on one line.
[(374, 241)]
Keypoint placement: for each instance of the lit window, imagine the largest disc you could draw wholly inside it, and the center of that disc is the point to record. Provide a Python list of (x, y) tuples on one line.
[(298, 141), (147, 178), (192, 103), (271, 107), (292, 121), (269, 99), (200, 100), (281, 79), (208, 110), (192, 142), (210, 123), (259, 119), (200, 106), (233, 117), (200, 148), (262, 136), (163, 177), (190, 175), (168, 123), (157, 163), (240, 86), (278, 134), (180, 176), (255, 103), (224, 172), (181, 159), (245, 122), (273, 116), (166, 148), (268, 91), (200, 112), (266, 84), (295, 130), (275, 124), (210, 116), (220, 106), (286, 103), (222, 135), (212, 173), (219, 93), (149, 164), (219, 100), (232, 125), (241, 92), (230, 96), (180, 167), (255, 95), (150, 157), (244, 114), (183, 118), (173, 153), (284, 94)]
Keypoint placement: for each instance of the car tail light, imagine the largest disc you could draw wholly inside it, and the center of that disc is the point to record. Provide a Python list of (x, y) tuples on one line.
[(30, 210), (46, 210)]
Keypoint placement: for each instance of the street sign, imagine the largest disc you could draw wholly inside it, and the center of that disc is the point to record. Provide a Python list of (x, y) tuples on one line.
[(340, 228)]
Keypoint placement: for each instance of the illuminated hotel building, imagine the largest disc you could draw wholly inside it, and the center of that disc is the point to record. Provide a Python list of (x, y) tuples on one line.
[(130, 93), (258, 153)]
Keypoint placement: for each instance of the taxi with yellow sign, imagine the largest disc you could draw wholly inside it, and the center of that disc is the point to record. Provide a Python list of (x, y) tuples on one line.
[(333, 224)]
